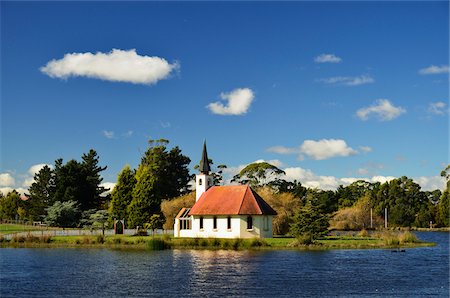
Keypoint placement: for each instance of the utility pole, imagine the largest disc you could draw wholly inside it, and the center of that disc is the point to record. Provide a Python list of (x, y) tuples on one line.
[(371, 219), (385, 218)]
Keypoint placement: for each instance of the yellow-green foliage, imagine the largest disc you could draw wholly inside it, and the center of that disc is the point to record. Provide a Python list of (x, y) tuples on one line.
[(170, 208), (285, 204), (363, 233), (356, 217), (392, 238)]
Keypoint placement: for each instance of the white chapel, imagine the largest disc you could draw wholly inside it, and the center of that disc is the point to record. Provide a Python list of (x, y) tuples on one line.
[(233, 211)]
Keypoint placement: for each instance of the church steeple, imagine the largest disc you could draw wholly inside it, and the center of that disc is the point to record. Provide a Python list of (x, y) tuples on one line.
[(204, 162), (203, 180)]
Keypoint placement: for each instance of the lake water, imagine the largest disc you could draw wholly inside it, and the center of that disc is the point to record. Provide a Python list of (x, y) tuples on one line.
[(112, 273)]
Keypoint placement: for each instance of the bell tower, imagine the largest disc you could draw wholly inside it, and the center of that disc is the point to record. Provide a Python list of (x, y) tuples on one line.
[(204, 180)]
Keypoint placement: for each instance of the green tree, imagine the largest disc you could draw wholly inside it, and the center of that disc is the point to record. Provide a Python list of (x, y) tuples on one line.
[(349, 195), (63, 214), (154, 223), (10, 204), (258, 174), (90, 189), (310, 223), (161, 175), (443, 212), (403, 199), (41, 193), (79, 181), (122, 194)]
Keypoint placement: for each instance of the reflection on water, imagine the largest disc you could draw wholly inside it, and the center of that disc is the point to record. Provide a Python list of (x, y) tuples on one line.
[(112, 273)]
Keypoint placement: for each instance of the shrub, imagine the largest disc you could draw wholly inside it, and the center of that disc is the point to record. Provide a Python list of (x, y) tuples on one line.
[(258, 242), (86, 240), (203, 243), (117, 240), (237, 243), (215, 242), (17, 239), (407, 237), (305, 239), (226, 243), (363, 233), (156, 244), (100, 239)]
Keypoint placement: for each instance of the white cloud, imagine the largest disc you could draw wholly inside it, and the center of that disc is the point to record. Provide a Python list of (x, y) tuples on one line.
[(382, 109), (348, 81), (365, 148), (283, 150), (362, 171), (327, 58), (128, 134), (433, 69), (6, 179), (109, 134), (319, 150), (116, 66), (324, 149), (437, 108), (238, 102), (34, 169), (430, 182)]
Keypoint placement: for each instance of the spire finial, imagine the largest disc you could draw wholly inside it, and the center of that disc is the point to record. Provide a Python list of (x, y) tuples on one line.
[(204, 162)]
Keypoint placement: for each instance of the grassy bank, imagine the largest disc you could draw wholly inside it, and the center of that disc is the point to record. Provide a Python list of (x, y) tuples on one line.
[(18, 228), (374, 241)]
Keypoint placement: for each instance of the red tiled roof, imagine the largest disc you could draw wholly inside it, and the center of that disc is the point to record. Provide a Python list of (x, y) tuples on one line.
[(231, 200)]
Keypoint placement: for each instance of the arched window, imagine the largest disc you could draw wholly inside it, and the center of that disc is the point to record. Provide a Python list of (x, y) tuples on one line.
[(200, 182), (249, 223)]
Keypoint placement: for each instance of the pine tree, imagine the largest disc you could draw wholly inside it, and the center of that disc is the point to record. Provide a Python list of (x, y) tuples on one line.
[(161, 175), (41, 193), (122, 194)]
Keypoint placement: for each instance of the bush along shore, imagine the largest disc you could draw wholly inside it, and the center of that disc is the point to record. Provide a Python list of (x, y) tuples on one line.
[(376, 240)]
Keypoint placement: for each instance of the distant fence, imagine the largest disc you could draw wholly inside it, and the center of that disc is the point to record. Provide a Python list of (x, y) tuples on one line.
[(39, 229), (80, 232)]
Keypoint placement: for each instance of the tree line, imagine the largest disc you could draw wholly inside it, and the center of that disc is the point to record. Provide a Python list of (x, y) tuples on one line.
[(70, 195)]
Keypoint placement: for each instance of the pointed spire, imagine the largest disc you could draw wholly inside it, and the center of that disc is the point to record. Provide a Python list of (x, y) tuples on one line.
[(204, 162)]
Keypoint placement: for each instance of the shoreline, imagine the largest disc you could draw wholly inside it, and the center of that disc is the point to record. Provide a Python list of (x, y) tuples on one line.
[(120, 242)]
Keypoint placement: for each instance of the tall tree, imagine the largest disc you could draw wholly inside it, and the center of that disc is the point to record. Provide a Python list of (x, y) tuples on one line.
[(91, 189), (79, 181), (161, 175), (41, 193), (122, 194)]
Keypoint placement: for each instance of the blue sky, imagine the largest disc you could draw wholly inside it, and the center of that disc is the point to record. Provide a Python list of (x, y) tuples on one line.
[(329, 91)]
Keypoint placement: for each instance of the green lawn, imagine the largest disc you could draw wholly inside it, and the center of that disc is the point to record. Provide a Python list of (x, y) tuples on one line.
[(13, 228)]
